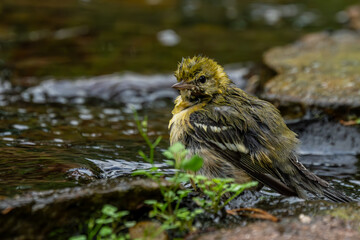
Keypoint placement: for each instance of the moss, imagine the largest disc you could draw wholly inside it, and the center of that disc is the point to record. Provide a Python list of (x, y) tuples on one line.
[(350, 213), (320, 70)]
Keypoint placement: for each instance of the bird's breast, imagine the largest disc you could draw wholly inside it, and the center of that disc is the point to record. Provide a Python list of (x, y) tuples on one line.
[(180, 122)]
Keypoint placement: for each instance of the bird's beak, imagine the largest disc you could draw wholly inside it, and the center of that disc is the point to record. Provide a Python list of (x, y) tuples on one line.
[(182, 85)]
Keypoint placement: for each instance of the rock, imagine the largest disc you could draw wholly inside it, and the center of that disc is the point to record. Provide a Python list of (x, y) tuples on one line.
[(353, 13), (38, 214), (319, 227), (321, 70), (304, 219), (119, 88), (351, 214), (327, 137)]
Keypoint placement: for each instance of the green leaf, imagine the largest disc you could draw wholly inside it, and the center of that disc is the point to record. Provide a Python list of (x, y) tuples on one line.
[(157, 141), (250, 184), (177, 148), (109, 210), (199, 178), (150, 202), (357, 121), (105, 231), (143, 155), (198, 211), (130, 224), (170, 163), (104, 221), (192, 164), (80, 237), (209, 193), (168, 154), (122, 214)]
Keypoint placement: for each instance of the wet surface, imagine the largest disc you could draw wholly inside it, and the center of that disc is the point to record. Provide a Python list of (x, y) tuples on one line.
[(321, 69), (61, 142), (56, 146)]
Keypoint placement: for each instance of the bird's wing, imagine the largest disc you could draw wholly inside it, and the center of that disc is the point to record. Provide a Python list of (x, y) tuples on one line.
[(238, 145)]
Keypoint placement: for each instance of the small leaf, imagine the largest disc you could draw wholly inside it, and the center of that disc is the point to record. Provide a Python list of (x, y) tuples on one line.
[(168, 154), (80, 237), (209, 193), (140, 172), (198, 211), (199, 178), (122, 214), (150, 202), (130, 224), (109, 210), (177, 148), (104, 221), (170, 163), (105, 231), (192, 164), (157, 141), (142, 154)]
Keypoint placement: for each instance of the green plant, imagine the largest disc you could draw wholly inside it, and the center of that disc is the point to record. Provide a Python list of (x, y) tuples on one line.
[(217, 189), (107, 227), (143, 131), (169, 211)]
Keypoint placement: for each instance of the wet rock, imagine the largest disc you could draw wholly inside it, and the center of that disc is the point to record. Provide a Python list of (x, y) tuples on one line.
[(353, 13), (318, 227), (120, 88), (37, 214), (321, 69), (327, 137), (327, 147), (82, 175), (128, 88)]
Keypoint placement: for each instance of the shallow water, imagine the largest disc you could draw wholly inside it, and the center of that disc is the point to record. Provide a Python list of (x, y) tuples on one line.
[(71, 140), (50, 146)]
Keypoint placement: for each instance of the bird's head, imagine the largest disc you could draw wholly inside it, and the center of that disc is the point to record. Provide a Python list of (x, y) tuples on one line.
[(200, 78)]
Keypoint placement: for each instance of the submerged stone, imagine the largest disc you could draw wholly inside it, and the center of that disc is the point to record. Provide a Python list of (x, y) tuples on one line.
[(321, 69)]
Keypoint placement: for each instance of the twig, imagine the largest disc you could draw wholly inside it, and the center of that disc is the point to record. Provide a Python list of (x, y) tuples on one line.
[(253, 213)]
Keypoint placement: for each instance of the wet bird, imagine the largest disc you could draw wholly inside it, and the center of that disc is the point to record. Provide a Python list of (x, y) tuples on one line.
[(239, 136)]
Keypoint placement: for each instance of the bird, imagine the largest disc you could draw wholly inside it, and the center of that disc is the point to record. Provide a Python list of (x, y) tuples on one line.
[(238, 135)]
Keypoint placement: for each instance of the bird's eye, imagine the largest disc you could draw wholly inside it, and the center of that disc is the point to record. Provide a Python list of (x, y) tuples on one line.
[(202, 79)]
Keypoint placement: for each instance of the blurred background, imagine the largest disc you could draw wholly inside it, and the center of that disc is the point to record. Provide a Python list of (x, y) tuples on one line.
[(72, 38)]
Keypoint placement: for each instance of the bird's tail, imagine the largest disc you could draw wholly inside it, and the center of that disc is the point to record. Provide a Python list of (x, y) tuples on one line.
[(309, 181), (336, 196)]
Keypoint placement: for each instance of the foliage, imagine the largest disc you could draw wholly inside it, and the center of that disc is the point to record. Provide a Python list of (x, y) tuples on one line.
[(169, 211), (109, 226), (216, 189)]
